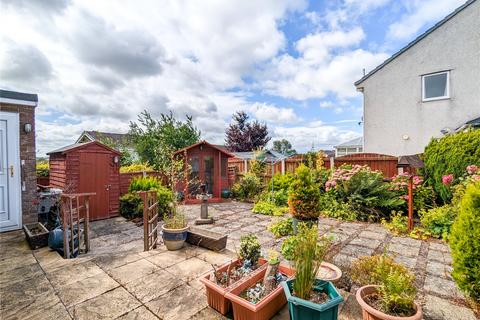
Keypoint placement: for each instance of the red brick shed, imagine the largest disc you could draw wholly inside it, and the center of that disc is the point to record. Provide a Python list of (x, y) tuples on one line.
[(89, 167), (209, 165)]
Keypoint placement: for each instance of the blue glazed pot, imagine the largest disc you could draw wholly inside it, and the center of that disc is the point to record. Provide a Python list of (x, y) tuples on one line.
[(306, 310), (174, 238)]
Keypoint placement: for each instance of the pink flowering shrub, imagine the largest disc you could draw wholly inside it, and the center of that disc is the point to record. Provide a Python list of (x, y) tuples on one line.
[(423, 196), (447, 179)]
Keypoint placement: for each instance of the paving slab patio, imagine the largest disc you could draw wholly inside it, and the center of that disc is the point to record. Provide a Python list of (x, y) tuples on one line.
[(117, 280)]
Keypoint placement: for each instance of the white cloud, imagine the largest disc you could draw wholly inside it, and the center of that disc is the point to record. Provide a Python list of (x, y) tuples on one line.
[(271, 113), (419, 14)]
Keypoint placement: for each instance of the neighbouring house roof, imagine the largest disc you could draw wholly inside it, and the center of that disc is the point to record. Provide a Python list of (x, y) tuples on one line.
[(219, 148), (475, 123), (418, 39), (357, 142), (7, 96), (98, 135), (413, 161), (76, 146), (269, 155)]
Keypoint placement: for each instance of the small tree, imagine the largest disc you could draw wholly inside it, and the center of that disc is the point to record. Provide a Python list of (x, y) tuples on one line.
[(127, 158), (465, 243), (242, 135), (284, 147), (157, 140)]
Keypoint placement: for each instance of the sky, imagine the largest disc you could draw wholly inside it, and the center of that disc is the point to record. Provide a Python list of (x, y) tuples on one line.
[(291, 64)]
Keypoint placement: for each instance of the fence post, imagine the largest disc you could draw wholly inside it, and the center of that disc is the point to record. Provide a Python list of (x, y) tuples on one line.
[(410, 202), (283, 166), (332, 163)]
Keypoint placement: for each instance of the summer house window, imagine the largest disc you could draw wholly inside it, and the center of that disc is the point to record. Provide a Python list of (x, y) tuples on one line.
[(435, 86)]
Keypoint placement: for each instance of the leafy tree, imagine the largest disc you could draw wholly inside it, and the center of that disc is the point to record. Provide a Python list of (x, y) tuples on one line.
[(127, 158), (283, 146), (244, 135), (157, 139)]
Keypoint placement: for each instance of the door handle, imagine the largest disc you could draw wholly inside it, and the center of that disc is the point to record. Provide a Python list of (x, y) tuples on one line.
[(11, 171)]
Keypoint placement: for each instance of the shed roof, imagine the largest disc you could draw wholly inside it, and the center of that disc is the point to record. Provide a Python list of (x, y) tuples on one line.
[(268, 155), (77, 146), (413, 161), (414, 42), (219, 148), (351, 143)]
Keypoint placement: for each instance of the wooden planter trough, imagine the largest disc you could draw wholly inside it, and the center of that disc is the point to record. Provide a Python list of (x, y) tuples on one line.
[(208, 239), (36, 234)]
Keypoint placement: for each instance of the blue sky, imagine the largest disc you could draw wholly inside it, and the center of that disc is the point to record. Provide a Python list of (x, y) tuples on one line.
[(291, 64)]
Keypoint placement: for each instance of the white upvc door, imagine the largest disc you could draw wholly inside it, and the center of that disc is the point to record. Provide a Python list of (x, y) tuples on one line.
[(10, 192)]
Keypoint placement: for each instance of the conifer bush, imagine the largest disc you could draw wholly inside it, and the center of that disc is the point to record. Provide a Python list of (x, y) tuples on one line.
[(465, 243)]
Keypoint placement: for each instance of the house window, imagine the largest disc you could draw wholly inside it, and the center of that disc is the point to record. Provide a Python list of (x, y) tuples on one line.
[(435, 86)]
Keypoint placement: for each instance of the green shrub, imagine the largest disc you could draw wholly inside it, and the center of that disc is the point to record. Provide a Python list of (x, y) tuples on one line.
[(309, 254), (248, 188), (43, 168), (450, 155), (398, 223), (365, 192), (289, 246), (164, 195), (269, 209), (281, 228), (329, 206), (303, 195), (131, 206), (136, 167), (423, 196), (281, 181), (438, 221), (249, 248), (465, 243), (397, 290)]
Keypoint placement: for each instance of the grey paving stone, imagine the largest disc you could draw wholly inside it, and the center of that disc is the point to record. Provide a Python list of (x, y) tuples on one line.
[(73, 273), (372, 235), (439, 269), (443, 257), (378, 228), (404, 250), (168, 258), (141, 313), (189, 269), (408, 262), (442, 287), (356, 251), (153, 285), (132, 271), (409, 242), (366, 242), (436, 308)]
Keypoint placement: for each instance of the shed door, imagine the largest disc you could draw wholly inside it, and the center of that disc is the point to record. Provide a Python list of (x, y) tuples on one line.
[(94, 177), (10, 207)]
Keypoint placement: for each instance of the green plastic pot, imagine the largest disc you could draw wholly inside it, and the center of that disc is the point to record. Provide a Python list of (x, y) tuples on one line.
[(225, 194), (306, 310)]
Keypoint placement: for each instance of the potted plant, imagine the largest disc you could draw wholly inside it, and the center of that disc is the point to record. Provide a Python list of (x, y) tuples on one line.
[(261, 296), (174, 230), (326, 272), (303, 196), (309, 297), (223, 279), (387, 291)]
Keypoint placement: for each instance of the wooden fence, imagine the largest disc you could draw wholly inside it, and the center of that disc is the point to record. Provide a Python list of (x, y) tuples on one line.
[(385, 163)]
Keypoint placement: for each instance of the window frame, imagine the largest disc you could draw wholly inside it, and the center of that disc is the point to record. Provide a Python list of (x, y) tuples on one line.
[(447, 72)]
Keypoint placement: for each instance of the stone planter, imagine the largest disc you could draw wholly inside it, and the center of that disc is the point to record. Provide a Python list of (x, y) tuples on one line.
[(369, 313), (216, 294), (265, 308), (36, 234), (301, 309), (174, 238), (208, 239)]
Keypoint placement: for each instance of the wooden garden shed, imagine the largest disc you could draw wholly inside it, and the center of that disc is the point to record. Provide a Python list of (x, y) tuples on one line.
[(89, 167), (209, 166)]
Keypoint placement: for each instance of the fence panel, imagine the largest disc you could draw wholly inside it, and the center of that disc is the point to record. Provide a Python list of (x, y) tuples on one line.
[(381, 162)]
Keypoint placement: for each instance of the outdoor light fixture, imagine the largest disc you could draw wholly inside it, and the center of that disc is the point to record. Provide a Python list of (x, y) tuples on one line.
[(405, 137), (115, 159), (27, 128)]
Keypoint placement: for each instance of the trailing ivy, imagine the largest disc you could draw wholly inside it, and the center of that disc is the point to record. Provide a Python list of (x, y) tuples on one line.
[(450, 155)]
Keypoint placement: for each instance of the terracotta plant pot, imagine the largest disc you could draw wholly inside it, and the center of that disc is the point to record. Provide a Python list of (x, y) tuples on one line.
[(265, 308), (216, 294), (369, 313), (174, 238)]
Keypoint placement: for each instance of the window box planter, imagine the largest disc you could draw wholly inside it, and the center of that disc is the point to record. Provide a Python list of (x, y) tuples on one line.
[(265, 308), (216, 294), (208, 239), (370, 313), (174, 238), (36, 234), (306, 310)]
